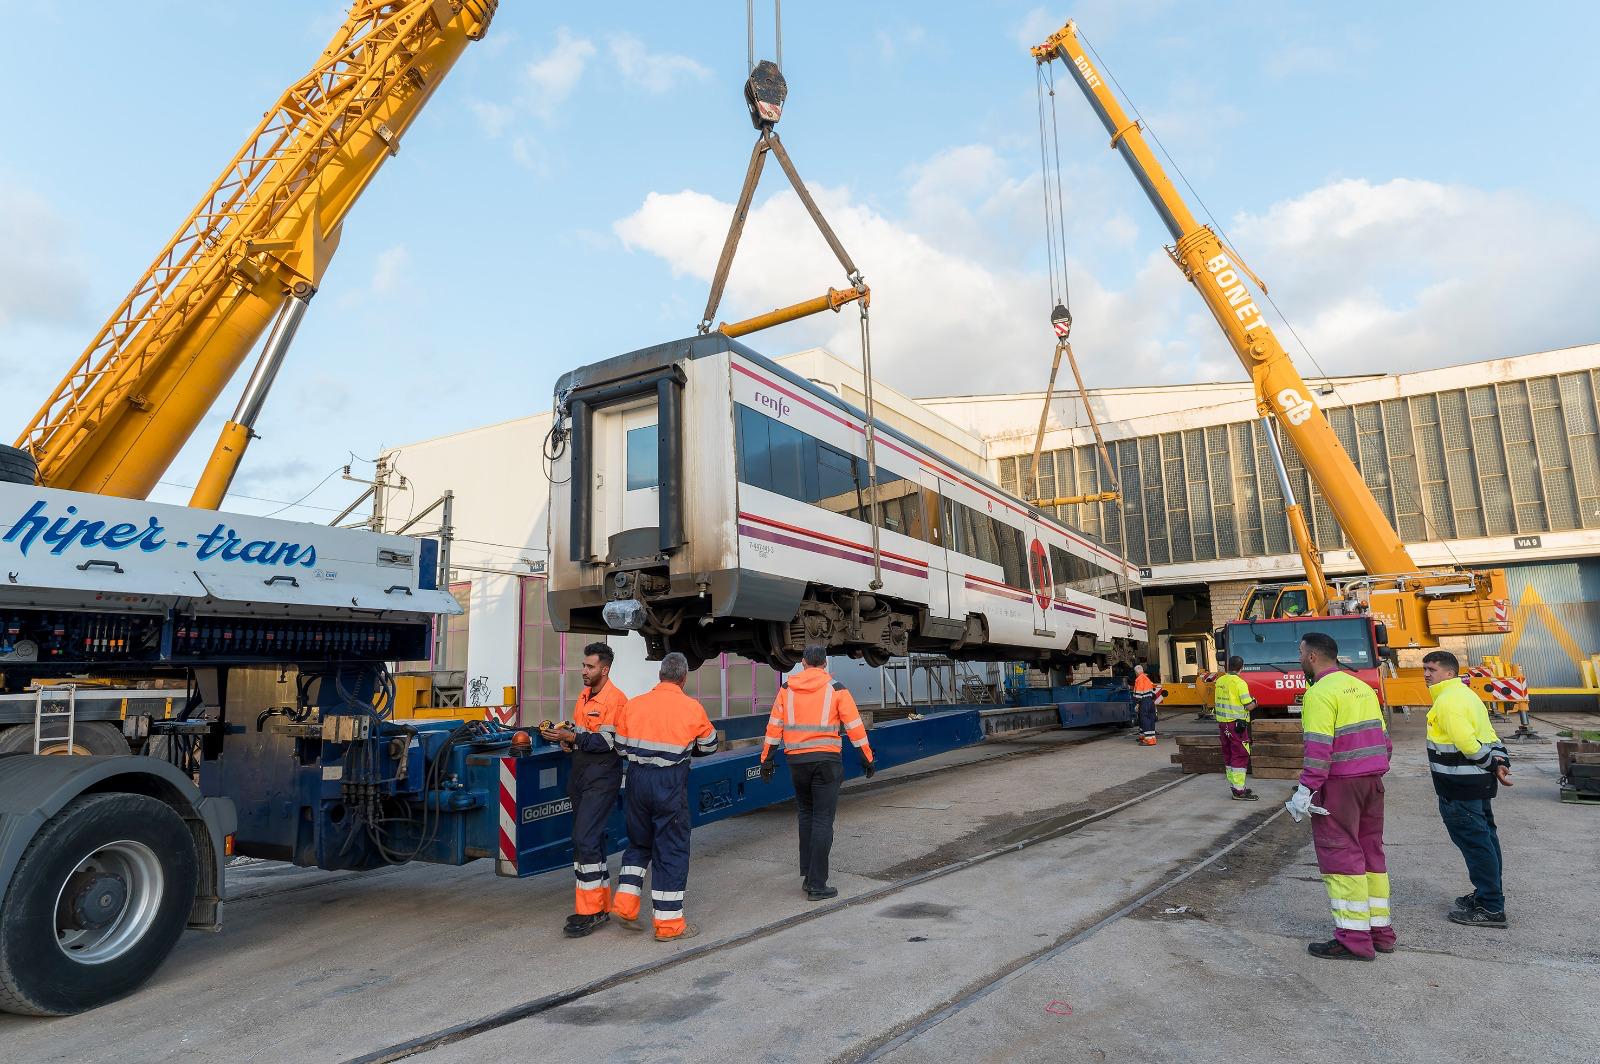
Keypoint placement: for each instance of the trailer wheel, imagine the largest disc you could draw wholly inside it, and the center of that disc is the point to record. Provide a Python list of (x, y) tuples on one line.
[(91, 737), (97, 902)]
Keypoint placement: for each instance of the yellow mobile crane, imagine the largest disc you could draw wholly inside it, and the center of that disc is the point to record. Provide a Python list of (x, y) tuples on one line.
[(252, 252), (1417, 606)]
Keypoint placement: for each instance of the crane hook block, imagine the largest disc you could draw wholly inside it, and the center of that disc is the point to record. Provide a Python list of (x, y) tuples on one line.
[(764, 94), (1061, 320)]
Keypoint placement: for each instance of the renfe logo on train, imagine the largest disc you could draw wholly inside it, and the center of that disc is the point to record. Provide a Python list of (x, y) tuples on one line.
[(780, 407)]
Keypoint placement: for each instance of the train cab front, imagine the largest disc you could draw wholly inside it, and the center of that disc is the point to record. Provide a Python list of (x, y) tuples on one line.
[(639, 522)]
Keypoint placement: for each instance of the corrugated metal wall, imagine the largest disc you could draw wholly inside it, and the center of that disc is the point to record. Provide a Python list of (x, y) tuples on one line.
[(1515, 457), (1555, 621)]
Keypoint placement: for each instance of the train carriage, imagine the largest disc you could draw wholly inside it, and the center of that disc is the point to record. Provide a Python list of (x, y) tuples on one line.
[(714, 501)]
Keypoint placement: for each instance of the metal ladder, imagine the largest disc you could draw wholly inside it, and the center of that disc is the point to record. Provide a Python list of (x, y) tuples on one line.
[(43, 717)]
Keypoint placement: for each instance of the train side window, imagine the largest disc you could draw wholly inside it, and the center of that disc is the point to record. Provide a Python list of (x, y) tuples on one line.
[(838, 480), (755, 449), (1060, 570), (788, 460), (932, 508), (952, 527), (1012, 555), (986, 544), (644, 466)]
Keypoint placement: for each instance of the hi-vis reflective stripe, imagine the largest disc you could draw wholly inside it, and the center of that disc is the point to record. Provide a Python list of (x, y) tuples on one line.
[(506, 862), (590, 874), (630, 879), (827, 706)]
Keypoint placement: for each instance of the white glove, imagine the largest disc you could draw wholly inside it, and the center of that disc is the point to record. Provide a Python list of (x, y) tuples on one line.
[(1299, 804)]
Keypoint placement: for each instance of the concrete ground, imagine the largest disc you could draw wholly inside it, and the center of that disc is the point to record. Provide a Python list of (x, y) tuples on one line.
[(1031, 954)]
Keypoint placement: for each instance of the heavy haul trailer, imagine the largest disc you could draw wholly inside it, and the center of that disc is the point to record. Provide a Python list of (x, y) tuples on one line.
[(104, 860)]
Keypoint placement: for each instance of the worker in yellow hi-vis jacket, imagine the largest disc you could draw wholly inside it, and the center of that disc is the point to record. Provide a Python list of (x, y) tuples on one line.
[(1233, 705)]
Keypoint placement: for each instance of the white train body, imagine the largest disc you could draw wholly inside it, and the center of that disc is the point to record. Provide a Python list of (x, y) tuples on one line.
[(715, 501)]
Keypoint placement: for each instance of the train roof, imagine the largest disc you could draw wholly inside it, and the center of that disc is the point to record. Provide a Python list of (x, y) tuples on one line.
[(649, 359)]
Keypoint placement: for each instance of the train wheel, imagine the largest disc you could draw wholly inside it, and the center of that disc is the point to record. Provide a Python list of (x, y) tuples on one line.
[(99, 899), (877, 657), (94, 737)]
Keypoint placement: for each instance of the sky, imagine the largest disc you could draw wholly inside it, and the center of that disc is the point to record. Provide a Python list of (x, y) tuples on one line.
[(1413, 181)]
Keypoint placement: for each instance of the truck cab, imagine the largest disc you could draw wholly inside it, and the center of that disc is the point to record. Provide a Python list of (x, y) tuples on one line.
[(1271, 652), (1267, 601)]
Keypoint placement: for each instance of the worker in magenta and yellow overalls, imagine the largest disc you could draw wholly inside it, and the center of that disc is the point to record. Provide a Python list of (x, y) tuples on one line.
[(593, 781), (1347, 754), (805, 721), (658, 732), (1231, 708)]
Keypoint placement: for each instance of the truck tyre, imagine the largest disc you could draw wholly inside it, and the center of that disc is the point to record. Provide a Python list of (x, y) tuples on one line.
[(95, 905), (17, 466), (91, 737)]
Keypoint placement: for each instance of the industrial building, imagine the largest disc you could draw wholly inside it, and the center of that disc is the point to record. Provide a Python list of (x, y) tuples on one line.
[(1491, 463)]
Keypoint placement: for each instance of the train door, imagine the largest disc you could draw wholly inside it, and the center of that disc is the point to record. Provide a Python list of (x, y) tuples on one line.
[(625, 499), (1041, 583), (938, 563), (947, 554), (641, 488)]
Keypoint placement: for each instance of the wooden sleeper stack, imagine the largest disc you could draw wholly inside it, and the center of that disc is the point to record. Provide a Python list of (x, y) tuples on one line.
[(1277, 750)]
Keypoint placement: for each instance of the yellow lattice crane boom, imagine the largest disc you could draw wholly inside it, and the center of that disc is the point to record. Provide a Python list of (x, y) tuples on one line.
[(253, 249), (1418, 606)]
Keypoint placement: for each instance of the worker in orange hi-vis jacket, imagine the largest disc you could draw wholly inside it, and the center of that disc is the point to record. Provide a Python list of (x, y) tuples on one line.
[(1144, 704), (593, 782), (805, 721), (658, 732)]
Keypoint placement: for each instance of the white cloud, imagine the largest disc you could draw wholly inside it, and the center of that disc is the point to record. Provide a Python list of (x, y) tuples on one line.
[(41, 282), (390, 272), (492, 117), (1401, 275), (655, 72), (905, 40), (1408, 274), (943, 321), (552, 77), (531, 156)]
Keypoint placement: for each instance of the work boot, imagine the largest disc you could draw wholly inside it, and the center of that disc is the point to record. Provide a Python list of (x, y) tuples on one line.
[(583, 925), (1333, 950), (821, 893), (1478, 916), (1384, 949), (1148, 740), (1246, 795), (689, 931), (1468, 901), (631, 925)]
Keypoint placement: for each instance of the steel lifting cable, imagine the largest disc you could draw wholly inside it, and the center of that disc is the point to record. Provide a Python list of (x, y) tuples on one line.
[(1061, 316), (765, 92), (872, 446)]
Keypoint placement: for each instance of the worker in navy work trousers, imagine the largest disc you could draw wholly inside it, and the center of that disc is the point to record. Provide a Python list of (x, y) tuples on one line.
[(658, 732), (806, 716), (593, 781)]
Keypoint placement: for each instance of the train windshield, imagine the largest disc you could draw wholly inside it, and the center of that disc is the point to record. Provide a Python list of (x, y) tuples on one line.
[(1274, 646)]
